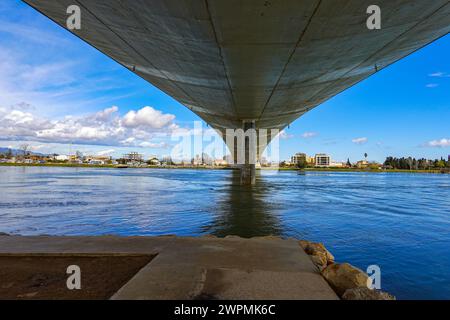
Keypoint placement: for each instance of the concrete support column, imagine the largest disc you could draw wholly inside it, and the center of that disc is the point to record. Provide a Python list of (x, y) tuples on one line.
[(248, 169)]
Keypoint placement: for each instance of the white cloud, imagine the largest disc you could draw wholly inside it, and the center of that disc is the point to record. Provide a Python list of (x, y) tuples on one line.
[(19, 117), (439, 74), (106, 114), (106, 152), (147, 117), (432, 85), (439, 143), (158, 145), (105, 127), (308, 135), (360, 140)]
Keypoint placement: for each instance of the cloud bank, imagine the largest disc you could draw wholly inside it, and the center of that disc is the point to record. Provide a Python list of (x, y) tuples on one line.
[(439, 143), (362, 140), (106, 127)]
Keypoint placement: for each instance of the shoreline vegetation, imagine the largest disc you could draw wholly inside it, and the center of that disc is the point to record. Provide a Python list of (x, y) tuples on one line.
[(331, 169)]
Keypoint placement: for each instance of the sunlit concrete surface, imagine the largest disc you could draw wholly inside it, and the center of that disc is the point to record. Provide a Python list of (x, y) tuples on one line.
[(197, 268), (268, 61)]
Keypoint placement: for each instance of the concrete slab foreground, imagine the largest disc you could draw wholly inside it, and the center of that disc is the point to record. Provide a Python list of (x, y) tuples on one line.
[(197, 268)]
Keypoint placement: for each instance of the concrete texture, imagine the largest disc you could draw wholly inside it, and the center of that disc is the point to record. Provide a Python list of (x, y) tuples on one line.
[(271, 61), (196, 268)]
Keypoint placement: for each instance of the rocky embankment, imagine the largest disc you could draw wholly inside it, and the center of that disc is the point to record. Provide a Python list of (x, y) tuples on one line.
[(348, 282)]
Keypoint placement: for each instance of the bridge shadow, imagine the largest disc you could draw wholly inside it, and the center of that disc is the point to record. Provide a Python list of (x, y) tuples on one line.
[(245, 211)]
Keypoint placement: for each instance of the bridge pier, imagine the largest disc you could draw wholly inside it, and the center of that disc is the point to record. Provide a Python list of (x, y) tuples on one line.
[(248, 169), (248, 174)]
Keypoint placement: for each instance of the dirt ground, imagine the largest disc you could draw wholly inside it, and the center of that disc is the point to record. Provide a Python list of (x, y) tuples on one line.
[(45, 277)]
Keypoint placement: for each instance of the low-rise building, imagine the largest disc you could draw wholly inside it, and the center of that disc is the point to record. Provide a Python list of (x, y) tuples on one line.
[(98, 160), (286, 164), (299, 158), (133, 157), (61, 157), (362, 164), (322, 160), (220, 163), (154, 161), (337, 164)]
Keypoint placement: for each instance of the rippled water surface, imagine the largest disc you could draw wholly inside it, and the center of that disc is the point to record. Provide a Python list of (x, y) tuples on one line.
[(400, 222)]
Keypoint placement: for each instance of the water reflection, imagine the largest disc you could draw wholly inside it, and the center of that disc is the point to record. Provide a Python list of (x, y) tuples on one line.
[(245, 211)]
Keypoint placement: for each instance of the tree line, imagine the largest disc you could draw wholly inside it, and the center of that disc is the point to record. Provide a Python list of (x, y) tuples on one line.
[(416, 164)]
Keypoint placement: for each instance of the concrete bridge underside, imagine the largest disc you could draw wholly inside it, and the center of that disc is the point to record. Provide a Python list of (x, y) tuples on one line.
[(265, 62)]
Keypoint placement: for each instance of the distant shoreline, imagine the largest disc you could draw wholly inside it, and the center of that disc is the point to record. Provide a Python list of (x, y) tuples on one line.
[(63, 165)]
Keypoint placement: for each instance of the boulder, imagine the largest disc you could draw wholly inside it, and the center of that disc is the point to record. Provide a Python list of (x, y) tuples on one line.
[(342, 277), (320, 260), (312, 249), (366, 294), (303, 244)]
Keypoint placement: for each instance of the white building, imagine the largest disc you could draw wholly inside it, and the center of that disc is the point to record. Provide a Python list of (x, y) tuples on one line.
[(62, 157), (337, 164), (220, 163), (322, 160)]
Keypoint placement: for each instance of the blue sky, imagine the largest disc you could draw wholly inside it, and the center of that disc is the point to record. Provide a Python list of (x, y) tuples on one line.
[(54, 90)]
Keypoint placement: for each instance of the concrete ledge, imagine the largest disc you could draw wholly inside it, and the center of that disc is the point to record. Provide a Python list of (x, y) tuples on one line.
[(197, 268)]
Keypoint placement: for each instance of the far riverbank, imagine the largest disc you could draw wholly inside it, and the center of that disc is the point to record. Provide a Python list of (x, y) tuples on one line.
[(67, 165)]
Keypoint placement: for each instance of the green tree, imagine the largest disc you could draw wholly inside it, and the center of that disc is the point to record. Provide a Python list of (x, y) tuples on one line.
[(301, 163), (441, 164)]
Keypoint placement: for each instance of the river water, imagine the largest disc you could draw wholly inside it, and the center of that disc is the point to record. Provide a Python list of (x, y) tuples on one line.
[(398, 221)]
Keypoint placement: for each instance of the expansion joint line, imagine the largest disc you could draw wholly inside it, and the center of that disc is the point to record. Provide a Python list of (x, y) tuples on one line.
[(291, 55), (221, 55)]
